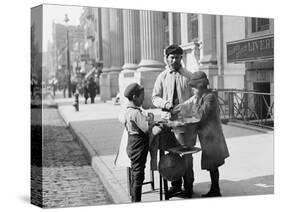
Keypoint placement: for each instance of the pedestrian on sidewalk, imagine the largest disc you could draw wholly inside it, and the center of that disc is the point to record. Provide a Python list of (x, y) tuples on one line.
[(64, 88), (73, 86), (138, 127), (92, 89), (86, 91), (54, 85), (204, 106)]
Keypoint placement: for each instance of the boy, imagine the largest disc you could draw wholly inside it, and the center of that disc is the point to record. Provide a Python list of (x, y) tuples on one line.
[(138, 125)]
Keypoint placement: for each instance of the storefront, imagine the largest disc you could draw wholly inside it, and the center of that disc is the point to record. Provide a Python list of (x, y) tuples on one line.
[(257, 54)]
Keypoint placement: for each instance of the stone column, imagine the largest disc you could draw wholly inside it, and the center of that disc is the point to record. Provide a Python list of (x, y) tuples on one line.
[(184, 28), (152, 52), (104, 84), (131, 27), (220, 51), (174, 28), (117, 49), (98, 39), (208, 53)]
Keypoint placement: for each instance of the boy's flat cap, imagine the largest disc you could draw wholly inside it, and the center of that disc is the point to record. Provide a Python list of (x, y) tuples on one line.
[(133, 89)]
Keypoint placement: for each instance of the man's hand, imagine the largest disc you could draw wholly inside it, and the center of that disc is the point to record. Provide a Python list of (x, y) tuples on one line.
[(168, 106)]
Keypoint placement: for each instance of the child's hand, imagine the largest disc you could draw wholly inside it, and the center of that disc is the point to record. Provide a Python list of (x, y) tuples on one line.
[(156, 130), (176, 109)]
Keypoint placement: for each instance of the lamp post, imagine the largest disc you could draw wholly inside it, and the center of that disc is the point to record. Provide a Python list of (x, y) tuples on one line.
[(66, 20)]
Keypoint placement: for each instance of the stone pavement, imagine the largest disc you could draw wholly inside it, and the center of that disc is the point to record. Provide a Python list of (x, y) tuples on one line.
[(68, 178), (248, 171)]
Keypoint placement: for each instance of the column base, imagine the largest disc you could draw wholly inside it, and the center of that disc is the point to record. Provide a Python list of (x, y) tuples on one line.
[(150, 65), (234, 81), (109, 85), (146, 77), (113, 84), (104, 87)]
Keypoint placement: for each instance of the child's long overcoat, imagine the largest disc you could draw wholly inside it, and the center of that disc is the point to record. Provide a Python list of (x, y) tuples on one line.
[(212, 140)]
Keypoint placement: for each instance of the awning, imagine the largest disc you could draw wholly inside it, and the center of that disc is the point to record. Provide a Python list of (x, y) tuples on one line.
[(252, 49)]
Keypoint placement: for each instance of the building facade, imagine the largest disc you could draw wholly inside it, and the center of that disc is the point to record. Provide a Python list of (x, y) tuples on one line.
[(133, 42), (75, 42)]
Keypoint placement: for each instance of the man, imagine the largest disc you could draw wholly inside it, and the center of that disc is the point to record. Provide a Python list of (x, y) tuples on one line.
[(171, 88), (92, 90), (85, 90)]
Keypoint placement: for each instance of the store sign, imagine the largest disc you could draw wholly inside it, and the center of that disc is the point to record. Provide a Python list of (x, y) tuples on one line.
[(261, 76), (250, 49)]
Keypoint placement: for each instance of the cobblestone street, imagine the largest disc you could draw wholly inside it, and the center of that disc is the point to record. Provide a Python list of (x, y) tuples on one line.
[(68, 180)]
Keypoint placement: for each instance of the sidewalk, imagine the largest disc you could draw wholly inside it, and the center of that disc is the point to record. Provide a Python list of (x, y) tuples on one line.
[(248, 171)]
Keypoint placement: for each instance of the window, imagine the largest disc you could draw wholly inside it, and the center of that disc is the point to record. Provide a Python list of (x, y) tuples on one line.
[(260, 24), (193, 27)]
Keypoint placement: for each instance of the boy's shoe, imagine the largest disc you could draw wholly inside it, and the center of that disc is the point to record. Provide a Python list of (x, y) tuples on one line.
[(173, 190), (188, 193)]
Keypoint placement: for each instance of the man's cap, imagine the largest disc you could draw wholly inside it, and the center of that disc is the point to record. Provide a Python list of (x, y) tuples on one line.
[(198, 78), (133, 89), (173, 49)]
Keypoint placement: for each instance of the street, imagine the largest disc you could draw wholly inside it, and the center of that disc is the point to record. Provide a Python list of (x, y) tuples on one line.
[(68, 179), (248, 170)]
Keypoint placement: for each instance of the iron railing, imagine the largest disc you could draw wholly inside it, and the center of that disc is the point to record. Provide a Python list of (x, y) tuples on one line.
[(248, 107)]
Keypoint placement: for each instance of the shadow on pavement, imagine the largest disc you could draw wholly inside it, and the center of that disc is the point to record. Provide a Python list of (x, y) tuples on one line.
[(252, 186)]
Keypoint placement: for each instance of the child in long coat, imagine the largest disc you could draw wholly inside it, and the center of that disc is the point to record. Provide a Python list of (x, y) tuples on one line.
[(204, 106)]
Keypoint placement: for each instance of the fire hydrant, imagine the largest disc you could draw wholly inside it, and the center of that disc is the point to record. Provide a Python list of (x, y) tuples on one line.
[(76, 101)]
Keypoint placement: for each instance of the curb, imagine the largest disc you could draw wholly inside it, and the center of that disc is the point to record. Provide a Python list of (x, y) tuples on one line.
[(63, 117), (250, 127), (111, 184)]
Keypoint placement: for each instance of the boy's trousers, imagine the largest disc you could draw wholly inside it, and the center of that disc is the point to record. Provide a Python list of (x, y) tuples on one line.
[(137, 150)]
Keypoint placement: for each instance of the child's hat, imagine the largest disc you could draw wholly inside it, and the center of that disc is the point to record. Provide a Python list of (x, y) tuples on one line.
[(133, 89), (198, 78)]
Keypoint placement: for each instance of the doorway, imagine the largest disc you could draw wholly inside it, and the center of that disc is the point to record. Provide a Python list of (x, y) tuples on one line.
[(262, 101)]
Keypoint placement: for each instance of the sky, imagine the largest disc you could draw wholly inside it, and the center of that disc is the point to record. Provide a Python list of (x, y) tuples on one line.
[(57, 13)]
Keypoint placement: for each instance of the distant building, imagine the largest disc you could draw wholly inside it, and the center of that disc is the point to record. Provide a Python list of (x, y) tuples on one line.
[(76, 41), (90, 20)]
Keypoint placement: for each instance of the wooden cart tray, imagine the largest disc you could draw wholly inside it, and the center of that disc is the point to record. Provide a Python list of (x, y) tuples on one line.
[(182, 122), (183, 150)]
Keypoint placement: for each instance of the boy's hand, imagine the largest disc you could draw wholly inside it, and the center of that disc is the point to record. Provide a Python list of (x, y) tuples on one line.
[(156, 130), (150, 119)]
